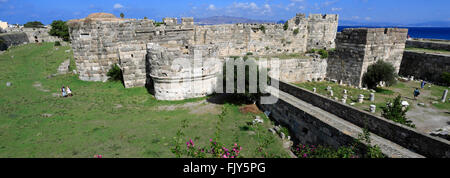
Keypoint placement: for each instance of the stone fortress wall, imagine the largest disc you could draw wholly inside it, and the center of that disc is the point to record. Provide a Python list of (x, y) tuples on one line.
[(20, 35), (145, 50), (101, 40), (356, 49), (427, 65), (35, 35)]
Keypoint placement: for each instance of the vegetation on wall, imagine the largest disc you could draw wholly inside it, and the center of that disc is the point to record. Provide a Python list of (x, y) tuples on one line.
[(286, 26), (296, 31), (115, 73), (323, 53), (60, 29)]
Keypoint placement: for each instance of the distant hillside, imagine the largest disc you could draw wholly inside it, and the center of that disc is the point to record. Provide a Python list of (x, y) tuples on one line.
[(227, 20)]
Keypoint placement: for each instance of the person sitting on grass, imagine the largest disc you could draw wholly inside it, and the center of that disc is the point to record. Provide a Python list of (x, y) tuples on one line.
[(416, 93), (63, 90), (69, 91)]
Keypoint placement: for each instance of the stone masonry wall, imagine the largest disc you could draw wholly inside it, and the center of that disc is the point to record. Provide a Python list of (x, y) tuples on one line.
[(12, 39), (322, 31), (299, 70), (425, 66), (437, 44), (356, 49), (99, 42)]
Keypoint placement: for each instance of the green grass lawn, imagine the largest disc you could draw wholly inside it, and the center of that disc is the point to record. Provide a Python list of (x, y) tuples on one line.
[(103, 118)]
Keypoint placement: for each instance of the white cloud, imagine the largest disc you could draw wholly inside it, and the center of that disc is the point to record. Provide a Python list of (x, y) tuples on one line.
[(368, 18), (336, 9), (118, 6), (211, 7), (297, 0), (246, 5)]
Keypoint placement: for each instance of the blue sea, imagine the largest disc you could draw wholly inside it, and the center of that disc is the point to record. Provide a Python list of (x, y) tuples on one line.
[(442, 33)]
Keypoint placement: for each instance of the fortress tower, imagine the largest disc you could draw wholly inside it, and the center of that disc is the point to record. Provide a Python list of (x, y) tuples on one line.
[(357, 48)]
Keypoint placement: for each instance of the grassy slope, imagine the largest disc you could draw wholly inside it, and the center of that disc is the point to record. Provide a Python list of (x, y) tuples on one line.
[(90, 123)]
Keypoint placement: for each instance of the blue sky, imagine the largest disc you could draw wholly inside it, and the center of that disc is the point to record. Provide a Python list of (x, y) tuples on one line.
[(391, 11)]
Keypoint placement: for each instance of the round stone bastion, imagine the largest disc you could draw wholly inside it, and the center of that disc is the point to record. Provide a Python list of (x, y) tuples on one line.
[(182, 72)]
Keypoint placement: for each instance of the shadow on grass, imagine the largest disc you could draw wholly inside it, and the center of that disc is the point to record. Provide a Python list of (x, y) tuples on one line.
[(226, 98)]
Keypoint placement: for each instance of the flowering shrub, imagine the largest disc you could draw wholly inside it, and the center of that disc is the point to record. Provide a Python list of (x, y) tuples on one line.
[(216, 150), (98, 156)]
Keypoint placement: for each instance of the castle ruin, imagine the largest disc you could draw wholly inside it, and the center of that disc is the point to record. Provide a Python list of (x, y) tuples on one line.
[(147, 51)]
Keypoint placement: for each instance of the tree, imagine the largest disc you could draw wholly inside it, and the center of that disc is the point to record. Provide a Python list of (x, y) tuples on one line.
[(122, 15), (60, 29), (380, 71), (34, 24), (394, 111), (146, 18)]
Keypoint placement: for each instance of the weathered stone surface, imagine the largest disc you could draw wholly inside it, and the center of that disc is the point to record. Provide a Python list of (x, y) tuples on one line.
[(424, 66), (357, 48)]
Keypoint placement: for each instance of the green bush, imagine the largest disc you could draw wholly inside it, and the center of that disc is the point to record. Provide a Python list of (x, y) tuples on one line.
[(60, 29), (380, 71), (323, 53), (33, 24), (394, 111), (445, 78), (286, 26), (57, 43), (115, 73)]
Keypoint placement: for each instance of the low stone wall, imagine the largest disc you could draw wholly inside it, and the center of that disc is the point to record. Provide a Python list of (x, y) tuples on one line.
[(437, 45), (424, 66), (12, 39), (304, 127), (402, 135)]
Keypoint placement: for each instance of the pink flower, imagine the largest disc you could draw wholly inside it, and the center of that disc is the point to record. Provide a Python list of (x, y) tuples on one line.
[(210, 140), (225, 156)]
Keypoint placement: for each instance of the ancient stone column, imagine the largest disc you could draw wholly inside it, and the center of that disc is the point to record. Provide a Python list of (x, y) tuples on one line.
[(372, 108), (361, 98), (372, 97), (331, 92), (444, 96), (345, 91), (314, 90), (344, 100)]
